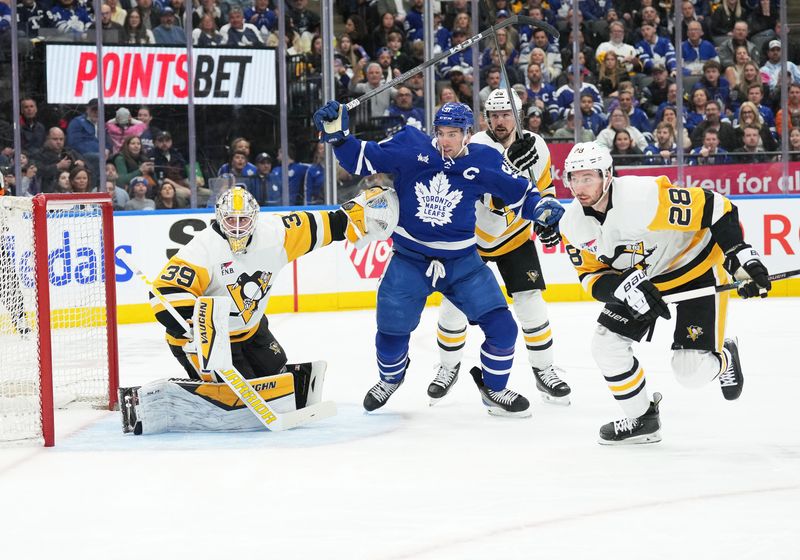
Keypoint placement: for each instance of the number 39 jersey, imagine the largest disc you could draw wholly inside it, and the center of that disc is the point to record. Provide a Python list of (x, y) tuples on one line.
[(207, 266), (650, 224)]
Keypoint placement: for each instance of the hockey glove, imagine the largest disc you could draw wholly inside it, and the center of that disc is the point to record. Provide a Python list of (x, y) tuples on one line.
[(640, 295), (333, 122), (548, 235), (744, 263), (548, 212), (521, 155), (371, 216)]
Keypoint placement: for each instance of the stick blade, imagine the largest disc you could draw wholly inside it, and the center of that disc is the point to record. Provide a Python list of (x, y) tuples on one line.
[(307, 415)]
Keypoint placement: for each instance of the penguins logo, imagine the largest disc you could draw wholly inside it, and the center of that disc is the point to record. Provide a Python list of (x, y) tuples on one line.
[(248, 291), (275, 348), (628, 256), (533, 276), (695, 332)]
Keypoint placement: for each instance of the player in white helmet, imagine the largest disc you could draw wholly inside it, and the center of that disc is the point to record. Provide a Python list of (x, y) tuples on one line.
[(634, 239), (504, 237), (239, 257)]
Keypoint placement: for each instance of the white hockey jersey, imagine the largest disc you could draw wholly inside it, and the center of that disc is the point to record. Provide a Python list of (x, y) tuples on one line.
[(500, 230), (650, 224), (207, 266)]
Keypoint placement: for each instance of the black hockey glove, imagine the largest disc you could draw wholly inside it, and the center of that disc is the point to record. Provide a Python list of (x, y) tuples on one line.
[(521, 155), (548, 235), (744, 263), (640, 295)]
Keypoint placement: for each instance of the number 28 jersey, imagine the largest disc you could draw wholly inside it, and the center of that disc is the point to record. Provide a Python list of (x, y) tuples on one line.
[(650, 224)]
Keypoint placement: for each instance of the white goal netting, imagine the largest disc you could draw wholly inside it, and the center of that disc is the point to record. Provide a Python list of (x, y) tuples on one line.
[(78, 320)]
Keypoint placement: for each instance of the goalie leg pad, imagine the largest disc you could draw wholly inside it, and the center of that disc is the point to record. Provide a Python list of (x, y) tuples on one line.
[(178, 405), (211, 334)]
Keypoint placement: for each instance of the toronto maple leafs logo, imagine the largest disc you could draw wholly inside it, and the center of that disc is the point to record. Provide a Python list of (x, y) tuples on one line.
[(436, 201)]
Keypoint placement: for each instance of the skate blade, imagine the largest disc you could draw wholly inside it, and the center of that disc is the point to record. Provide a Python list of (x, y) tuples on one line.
[(499, 412), (560, 401), (655, 437)]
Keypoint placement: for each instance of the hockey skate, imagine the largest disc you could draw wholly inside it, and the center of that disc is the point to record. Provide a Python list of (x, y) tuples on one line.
[(552, 388), (501, 403), (731, 380), (128, 401), (644, 429), (445, 379)]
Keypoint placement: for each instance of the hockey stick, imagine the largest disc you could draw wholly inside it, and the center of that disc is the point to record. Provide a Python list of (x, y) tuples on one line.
[(457, 49), (271, 419), (710, 290)]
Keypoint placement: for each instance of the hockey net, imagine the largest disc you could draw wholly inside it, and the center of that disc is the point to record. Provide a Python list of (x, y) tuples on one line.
[(58, 344)]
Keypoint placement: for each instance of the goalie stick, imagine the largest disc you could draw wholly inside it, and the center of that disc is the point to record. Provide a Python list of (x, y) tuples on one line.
[(513, 20), (270, 418), (710, 290)]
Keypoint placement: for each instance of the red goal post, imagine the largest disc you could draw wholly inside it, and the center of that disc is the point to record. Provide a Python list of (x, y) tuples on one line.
[(58, 323)]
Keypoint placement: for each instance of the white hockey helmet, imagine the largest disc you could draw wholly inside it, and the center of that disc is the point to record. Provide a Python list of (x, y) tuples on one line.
[(498, 101), (589, 155), (237, 214)]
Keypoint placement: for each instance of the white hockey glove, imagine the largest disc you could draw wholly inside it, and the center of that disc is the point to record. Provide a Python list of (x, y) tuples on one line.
[(371, 216), (744, 263), (521, 155), (640, 295)]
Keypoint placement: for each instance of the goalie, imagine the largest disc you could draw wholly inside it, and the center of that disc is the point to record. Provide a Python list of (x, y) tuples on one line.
[(236, 261)]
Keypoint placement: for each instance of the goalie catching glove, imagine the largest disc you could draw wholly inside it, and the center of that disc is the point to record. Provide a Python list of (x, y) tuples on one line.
[(744, 263), (371, 216), (333, 122), (641, 296)]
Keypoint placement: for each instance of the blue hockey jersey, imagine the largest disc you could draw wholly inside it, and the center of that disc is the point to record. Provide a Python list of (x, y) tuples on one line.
[(438, 195)]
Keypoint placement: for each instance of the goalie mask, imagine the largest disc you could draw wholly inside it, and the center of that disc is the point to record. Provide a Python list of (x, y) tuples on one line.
[(237, 215)]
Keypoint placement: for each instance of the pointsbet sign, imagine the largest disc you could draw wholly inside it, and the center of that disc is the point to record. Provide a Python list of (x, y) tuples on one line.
[(160, 76)]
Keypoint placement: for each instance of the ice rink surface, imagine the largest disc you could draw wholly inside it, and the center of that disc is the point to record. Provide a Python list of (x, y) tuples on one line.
[(414, 481)]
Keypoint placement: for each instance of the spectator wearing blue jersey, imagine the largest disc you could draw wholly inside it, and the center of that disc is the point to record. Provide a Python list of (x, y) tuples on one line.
[(238, 33), (664, 149), (565, 97), (297, 176), (589, 118), (697, 108), (715, 85), (414, 25), (710, 153), (655, 50), (637, 117), (696, 51), (462, 59), (261, 17), (403, 106), (260, 184), (541, 94), (69, 18), (5, 19), (238, 166)]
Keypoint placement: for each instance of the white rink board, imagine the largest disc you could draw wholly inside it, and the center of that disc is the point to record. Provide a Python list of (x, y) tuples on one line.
[(145, 239)]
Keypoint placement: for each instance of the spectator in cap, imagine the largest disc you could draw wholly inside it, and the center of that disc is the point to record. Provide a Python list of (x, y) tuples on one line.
[(772, 68), (167, 33), (259, 184), (82, 137), (461, 59), (122, 126), (534, 122), (138, 189), (171, 165)]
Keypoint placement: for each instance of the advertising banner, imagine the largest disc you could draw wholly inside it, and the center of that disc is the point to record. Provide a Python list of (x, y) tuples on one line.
[(158, 75), (729, 179)]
